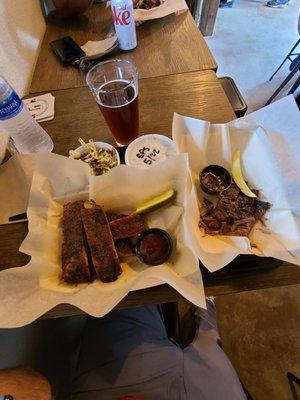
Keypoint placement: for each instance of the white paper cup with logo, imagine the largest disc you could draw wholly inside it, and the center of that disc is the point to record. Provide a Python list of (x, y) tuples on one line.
[(149, 150)]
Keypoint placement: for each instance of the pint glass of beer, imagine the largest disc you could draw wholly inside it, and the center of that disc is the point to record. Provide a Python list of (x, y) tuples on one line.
[(114, 84)]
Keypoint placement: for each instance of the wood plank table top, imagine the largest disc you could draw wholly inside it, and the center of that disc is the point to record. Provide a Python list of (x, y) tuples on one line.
[(198, 94), (166, 46)]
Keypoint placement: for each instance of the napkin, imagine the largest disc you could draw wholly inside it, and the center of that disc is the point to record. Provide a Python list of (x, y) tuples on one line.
[(270, 144), (30, 291), (41, 107), (97, 48), (15, 182)]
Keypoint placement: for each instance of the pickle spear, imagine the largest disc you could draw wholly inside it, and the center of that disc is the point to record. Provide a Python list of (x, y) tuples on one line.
[(156, 202), (237, 175)]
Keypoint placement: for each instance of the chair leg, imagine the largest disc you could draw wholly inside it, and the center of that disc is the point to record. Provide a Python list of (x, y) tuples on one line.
[(287, 79), (295, 86), (285, 60)]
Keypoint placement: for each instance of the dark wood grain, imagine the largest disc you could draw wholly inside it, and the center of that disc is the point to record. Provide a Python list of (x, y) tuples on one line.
[(11, 237), (197, 94), (166, 46)]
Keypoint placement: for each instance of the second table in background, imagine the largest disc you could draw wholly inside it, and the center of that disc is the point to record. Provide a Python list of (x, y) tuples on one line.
[(166, 46)]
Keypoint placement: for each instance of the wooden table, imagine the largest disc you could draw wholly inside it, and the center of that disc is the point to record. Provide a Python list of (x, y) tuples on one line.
[(197, 94), (77, 115), (166, 46)]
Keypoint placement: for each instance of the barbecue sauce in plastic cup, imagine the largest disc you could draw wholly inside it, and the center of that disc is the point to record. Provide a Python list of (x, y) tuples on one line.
[(154, 246)]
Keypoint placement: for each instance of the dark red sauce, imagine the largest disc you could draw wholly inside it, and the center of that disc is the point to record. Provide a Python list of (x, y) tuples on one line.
[(155, 247)]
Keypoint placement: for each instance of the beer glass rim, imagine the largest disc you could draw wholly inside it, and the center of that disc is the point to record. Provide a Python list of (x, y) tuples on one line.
[(117, 60)]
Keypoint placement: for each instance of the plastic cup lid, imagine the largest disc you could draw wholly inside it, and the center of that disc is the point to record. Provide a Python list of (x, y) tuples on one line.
[(149, 150)]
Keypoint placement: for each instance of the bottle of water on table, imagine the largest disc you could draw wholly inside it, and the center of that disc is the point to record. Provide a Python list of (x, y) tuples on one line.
[(15, 120)]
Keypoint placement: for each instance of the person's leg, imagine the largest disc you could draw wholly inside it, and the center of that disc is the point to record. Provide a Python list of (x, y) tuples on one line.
[(127, 352), (49, 346), (208, 373)]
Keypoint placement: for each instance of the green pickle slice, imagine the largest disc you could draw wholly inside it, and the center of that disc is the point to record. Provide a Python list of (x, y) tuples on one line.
[(157, 202)]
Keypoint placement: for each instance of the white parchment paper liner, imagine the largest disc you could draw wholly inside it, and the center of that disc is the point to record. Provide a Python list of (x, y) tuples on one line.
[(15, 182), (28, 292), (270, 162)]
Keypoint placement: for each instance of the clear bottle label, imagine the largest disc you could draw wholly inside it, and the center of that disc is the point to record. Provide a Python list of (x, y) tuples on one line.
[(10, 106)]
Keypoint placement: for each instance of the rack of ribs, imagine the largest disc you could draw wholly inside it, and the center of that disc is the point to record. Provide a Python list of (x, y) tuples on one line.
[(102, 249), (75, 265), (127, 226)]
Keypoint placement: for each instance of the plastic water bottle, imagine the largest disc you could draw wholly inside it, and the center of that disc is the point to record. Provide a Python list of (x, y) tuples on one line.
[(15, 120)]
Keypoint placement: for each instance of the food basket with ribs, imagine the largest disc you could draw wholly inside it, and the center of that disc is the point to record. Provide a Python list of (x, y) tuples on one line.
[(94, 242), (91, 242)]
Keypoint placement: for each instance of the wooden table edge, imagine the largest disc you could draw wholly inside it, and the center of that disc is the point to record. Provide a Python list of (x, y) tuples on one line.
[(208, 70), (165, 294)]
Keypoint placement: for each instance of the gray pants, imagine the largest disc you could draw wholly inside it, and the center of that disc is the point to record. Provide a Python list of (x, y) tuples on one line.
[(128, 353)]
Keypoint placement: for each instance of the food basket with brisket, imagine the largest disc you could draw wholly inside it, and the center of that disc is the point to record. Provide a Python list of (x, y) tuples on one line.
[(236, 209)]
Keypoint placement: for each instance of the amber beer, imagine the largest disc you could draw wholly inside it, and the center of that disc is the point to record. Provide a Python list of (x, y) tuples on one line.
[(118, 102), (114, 84)]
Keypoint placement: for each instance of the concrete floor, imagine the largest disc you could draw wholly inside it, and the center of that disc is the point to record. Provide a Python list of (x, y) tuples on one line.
[(260, 332), (249, 42)]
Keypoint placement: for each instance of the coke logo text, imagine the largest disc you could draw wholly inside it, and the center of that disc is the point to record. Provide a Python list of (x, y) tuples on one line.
[(121, 17)]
